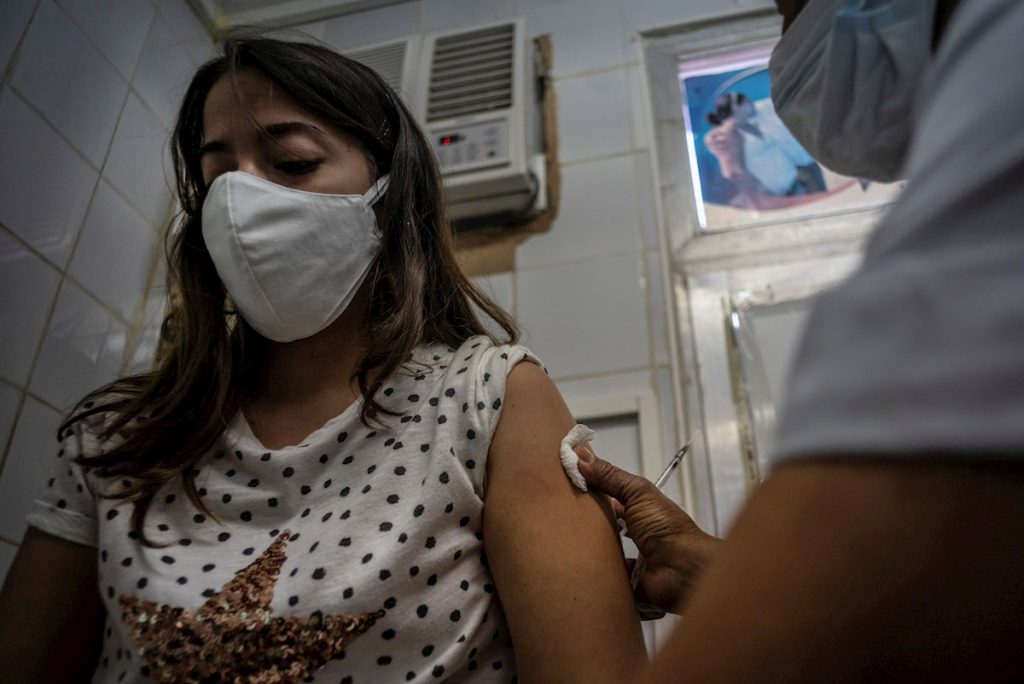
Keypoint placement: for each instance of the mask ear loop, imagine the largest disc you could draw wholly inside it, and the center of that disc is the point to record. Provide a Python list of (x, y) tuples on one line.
[(376, 190)]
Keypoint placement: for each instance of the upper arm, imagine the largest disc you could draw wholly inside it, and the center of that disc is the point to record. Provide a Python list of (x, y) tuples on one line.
[(49, 605), (556, 559), (848, 569)]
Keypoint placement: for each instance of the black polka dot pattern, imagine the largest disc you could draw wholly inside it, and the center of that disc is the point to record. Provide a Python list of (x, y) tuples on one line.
[(389, 518)]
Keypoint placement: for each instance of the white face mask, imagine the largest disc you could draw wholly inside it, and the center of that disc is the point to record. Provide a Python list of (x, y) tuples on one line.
[(291, 260), (844, 78)]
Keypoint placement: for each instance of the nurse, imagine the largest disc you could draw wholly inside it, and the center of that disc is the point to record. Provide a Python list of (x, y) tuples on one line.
[(887, 542)]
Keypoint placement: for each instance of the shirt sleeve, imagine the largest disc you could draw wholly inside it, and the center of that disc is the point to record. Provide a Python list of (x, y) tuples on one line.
[(65, 505), (921, 352), (485, 398)]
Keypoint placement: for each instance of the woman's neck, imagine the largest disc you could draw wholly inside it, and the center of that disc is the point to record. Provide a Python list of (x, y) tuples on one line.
[(319, 366)]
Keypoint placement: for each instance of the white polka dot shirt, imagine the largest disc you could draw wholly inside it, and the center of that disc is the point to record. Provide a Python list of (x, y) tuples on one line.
[(385, 524)]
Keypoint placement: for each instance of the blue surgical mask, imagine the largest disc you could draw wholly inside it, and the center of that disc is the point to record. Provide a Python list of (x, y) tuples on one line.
[(844, 79)]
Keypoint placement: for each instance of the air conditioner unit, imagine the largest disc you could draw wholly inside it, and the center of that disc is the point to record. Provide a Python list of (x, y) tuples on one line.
[(478, 104), (397, 61), (474, 93)]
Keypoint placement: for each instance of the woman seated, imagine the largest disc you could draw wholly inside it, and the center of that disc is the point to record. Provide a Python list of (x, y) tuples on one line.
[(333, 471)]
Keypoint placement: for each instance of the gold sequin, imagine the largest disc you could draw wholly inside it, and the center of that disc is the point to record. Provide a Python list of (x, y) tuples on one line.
[(233, 638)]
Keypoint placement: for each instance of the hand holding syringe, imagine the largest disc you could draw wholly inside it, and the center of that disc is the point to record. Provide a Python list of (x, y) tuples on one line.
[(677, 546), (650, 612)]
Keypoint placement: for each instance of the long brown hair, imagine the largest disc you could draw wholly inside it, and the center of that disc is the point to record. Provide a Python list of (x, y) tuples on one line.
[(167, 419)]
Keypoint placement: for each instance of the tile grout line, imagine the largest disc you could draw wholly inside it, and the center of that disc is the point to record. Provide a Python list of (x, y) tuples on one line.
[(130, 83), (620, 66), (603, 157), (4, 84), (96, 46), (632, 115), (581, 260), (12, 62), (92, 167), (63, 274), (605, 374)]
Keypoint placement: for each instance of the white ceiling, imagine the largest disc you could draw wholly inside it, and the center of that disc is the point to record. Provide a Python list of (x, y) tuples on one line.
[(222, 14)]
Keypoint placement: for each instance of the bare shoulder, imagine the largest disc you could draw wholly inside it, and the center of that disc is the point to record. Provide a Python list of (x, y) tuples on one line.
[(556, 559), (533, 422)]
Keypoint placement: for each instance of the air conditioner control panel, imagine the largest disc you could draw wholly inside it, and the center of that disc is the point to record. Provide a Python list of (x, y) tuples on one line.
[(473, 146)]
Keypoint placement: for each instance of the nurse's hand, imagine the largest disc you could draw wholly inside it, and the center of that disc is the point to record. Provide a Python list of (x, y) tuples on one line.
[(674, 549)]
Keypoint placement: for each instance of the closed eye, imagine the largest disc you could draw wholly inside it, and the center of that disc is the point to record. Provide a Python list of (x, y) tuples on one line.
[(298, 167)]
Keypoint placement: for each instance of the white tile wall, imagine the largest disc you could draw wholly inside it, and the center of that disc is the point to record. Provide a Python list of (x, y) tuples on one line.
[(587, 317), (138, 161), (35, 440), (373, 26), (639, 113), (656, 301), (316, 30), (189, 33), (10, 397), (68, 79), (593, 115), (113, 227), (437, 15), (670, 438), (14, 16), (597, 216), (61, 110), (164, 72), (642, 14), (643, 184), (599, 42), (148, 338), (500, 289), (83, 349), (117, 27), (30, 286), (604, 386), (7, 553), (45, 186)]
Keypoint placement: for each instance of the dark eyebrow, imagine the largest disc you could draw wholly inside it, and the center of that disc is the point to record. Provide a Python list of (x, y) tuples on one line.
[(271, 133), (280, 130)]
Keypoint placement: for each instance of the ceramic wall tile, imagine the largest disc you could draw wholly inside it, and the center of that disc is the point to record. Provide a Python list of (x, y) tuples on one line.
[(597, 216), (117, 27), (23, 316), (83, 349), (35, 441), (115, 252), (585, 318), (14, 19), (164, 72), (139, 162), (63, 74), (45, 186), (597, 43), (373, 26), (593, 115), (10, 398), (440, 15)]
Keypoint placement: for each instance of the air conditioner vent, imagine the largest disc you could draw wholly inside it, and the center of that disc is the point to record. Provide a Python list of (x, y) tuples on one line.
[(387, 60), (472, 73)]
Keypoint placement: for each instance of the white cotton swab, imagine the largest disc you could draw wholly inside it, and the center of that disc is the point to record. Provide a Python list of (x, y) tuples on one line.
[(567, 454)]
